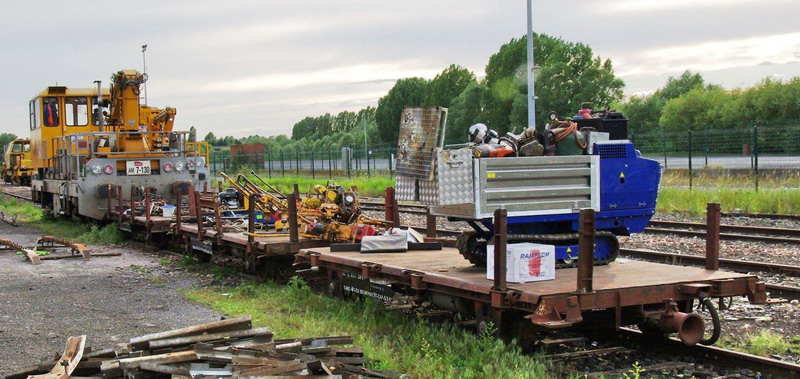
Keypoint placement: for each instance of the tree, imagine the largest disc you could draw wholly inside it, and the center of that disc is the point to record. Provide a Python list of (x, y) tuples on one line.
[(192, 134), (447, 85), (569, 76), (644, 112), (406, 92), (210, 138), (5, 138), (676, 87), (467, 109)]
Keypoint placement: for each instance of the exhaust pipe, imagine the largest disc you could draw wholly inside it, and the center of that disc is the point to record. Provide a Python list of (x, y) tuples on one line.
[(689, 326)]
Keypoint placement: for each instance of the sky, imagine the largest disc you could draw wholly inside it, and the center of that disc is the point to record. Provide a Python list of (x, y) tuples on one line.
[(257, 67)]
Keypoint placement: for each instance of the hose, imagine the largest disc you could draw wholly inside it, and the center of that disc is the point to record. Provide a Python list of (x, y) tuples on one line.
[(706, 301)]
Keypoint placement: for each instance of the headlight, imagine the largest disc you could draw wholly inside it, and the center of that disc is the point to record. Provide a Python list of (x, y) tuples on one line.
[(190, 164), (96, 169), (168, 167), (179, 166), (109, 169), (349, 199)]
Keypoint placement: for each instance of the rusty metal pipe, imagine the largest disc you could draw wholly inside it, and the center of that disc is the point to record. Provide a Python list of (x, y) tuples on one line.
[(689, 326)]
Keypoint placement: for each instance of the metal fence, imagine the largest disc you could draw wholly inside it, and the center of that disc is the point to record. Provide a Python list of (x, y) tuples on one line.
[(749, 153), (348, 161)]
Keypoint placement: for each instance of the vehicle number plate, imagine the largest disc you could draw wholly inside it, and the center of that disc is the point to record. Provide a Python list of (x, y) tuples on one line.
[(138, 167)]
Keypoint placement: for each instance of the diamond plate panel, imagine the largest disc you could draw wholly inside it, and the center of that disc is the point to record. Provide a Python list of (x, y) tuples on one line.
[(428, 192), (419, 129), (455, 177), (405, 188)]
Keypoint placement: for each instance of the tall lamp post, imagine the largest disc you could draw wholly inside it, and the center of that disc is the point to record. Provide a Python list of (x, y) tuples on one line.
[(531, 69), (144, 70)]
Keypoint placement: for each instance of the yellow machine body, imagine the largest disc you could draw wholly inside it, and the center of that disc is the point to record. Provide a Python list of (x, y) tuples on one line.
[(17, 166)]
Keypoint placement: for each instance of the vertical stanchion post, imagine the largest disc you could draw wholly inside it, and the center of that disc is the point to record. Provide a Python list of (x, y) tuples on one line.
[(391, 156), (121, 205), (500, 259), (297, 160), (690, 160), (269, 165), (199, 213), (293, 227), (664, 143), (251, 219), (296, 191), (147, 204), (430, 223), (712, 236), (366, 155), (388, 210), (313, 169), (133, 207), (330, 161), (585, 250), (178, 208)]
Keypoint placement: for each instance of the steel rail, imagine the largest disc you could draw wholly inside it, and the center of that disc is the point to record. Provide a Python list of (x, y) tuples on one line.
[(721, 357), (785, 232), (773, 216), (724, 236)]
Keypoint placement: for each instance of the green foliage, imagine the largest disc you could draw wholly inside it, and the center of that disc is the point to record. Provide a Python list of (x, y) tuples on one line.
[(748, 200), (5, 138), (406, 92), (447, 85), (24, 210), (367, 186), (764, 343), (466, 109), (83, 233), (569, 76), (394, 342)]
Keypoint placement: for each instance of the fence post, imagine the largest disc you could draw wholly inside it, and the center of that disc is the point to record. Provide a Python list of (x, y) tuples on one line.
[(313, 169), (269, 165), (705, 145), (283, 168), (664, 140), (391, 158), (330, 160), (755, 152), (366, 155), (690, 159), (297, 160), (349, 160)]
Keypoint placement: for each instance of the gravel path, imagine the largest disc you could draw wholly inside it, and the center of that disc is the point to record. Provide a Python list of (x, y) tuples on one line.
[(110, 299)]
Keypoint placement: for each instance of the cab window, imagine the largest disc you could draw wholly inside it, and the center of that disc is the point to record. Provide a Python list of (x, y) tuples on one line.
[(50, 111), (76, 111), (97, 112), (33, 115), (16, 148)]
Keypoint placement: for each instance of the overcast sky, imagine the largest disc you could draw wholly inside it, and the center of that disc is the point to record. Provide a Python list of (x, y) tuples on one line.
[(257, 67)]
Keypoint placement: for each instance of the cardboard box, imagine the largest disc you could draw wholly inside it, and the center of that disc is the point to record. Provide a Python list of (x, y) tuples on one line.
[(525, 262)]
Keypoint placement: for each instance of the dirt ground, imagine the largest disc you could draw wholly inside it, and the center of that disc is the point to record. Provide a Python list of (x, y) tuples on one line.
[(110, 299)]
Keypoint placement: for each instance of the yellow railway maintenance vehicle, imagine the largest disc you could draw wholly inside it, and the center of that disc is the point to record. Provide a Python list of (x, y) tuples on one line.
[(17, 166), (86, 141)]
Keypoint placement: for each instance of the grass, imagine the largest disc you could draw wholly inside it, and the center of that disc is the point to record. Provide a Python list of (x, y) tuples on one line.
[(367, 186), (394, 342), (75, 231), (24, 210), (684, 200), (764, 343)]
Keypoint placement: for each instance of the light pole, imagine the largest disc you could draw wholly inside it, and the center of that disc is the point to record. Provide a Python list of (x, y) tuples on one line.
[(531, 93), (144, 71)]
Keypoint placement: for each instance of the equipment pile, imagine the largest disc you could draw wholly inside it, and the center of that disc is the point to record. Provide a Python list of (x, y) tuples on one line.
[(229, 348)]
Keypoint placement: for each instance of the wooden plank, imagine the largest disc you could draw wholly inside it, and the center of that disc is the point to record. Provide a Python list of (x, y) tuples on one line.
[(238, 323), (68, 361), (164, 369), (177, 341), (32, 256)]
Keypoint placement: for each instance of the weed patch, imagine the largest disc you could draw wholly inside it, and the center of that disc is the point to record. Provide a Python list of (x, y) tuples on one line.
[(393, 342)]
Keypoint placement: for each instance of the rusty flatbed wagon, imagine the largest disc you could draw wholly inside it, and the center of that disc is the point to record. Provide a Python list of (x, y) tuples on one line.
[(624, 292)]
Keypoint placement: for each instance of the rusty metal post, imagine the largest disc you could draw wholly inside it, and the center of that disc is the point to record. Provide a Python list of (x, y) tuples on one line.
[(251, 220), (179, 203), (430, 223), (391, 196), (500, 238), (388, 212), (147, 204), (586, 250), (296, 191), (133, 208), (217, 219), (712, 236), (190, 199), (121, 205), (199, 213), (293, 227)]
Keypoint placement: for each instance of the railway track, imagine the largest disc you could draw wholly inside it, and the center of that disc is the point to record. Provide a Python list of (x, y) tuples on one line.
[(728, 232), (787, 292)]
